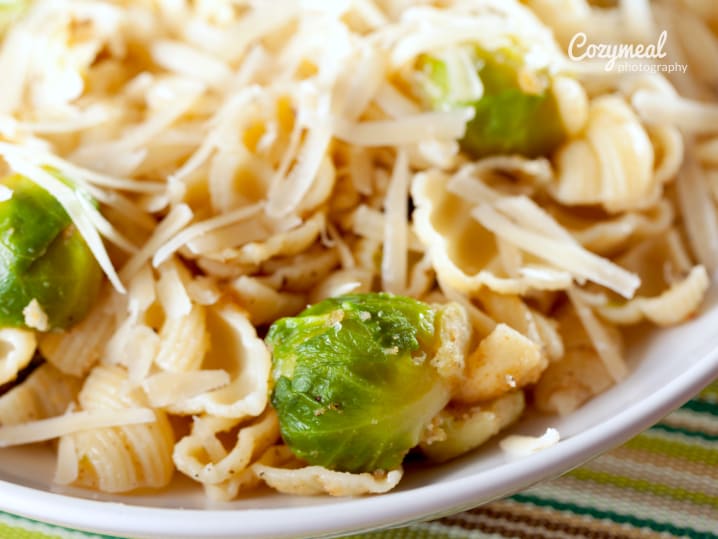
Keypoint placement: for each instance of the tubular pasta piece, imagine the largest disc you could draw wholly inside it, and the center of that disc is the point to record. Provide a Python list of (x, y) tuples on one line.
[(316, 480), (235, 347), (669, 146), (172, 290), (573, 104), (47, 392), (17, 346), (76, 350), (134, 346), (183, 341), (611, 164), (121, 459)]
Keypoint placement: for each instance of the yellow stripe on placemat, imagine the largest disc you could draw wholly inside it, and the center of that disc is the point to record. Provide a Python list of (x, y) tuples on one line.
[(12, 532)]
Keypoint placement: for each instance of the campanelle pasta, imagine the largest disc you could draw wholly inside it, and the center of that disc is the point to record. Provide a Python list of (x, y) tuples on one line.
[(229, 163)]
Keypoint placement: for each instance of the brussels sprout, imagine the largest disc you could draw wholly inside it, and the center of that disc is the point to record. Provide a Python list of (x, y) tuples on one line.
[(42, 258), (517, 112), (354, 384)]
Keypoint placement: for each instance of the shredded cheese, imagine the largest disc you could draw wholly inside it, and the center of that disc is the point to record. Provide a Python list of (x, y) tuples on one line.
[(166, 388), (54, 427), (563, 254), (447, 125), (84, 215), (521, 446), (394, 262), (35, 316)]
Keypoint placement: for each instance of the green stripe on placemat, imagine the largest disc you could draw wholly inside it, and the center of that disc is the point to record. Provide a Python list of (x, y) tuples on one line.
[(16, 527), (663, 482)]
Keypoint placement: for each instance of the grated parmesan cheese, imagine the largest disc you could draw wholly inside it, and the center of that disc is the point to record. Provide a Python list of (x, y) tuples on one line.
[(413, 129), (561, 252), (522, 446), (54, 427), (167, 388), (252, 157), (394, 261), (66, 469), (35, 316), (83, 214)]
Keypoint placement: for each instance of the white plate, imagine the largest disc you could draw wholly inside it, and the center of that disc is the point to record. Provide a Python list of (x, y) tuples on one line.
[(666, 369)]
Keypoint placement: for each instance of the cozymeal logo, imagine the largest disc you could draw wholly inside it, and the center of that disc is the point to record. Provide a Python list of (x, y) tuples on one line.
[(625, 57)]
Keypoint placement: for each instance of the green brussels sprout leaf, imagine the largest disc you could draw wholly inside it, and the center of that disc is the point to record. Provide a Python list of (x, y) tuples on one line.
[(353, 382), (517, 112), (42, 257)]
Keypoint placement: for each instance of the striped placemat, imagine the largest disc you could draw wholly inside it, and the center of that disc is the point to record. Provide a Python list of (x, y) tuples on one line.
[(662, 483)]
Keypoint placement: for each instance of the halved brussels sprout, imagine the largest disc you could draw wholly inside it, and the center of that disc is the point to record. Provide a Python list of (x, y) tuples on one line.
[(517, 111), (354, 380), (43, 258)]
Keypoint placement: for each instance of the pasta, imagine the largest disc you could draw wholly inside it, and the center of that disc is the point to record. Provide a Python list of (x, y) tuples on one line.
[(438, 194), (18, 347)]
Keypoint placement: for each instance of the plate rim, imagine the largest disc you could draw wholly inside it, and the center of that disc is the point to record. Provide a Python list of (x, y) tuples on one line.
[(393, 509)]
